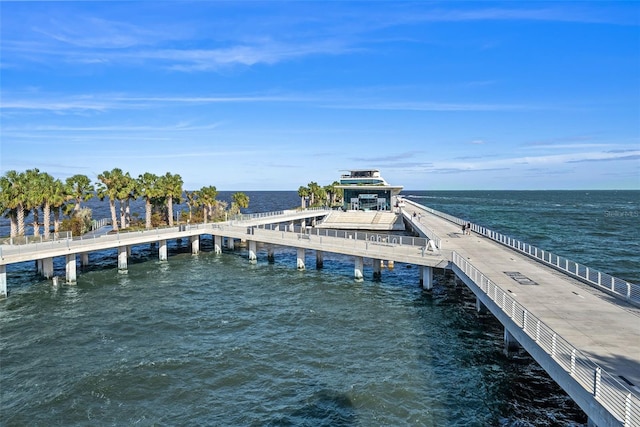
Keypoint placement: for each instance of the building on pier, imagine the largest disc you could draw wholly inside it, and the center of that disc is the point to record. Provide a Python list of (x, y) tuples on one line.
[(366, 190), (369, 203)]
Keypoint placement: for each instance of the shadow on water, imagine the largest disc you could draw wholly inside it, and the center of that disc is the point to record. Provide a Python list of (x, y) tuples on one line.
[(323, 408)]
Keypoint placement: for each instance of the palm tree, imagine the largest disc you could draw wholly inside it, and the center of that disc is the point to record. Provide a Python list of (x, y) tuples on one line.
[(57, 199), (35, 196), (332, 193), (126, 191), (316, 193), (11, 186), (47, 188), (171, 186), (148, 188), (208, 200), (109, 187), (240, 200), (303, 192), (192, 201), (80, 189)]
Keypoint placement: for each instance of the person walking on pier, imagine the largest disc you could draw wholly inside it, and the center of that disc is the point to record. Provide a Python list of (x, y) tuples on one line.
[(463, 228), (469, 228)]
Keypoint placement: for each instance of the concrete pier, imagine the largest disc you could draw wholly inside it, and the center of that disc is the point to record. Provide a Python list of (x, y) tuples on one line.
[(3, 281), (480, 307), (217, 244), (162, 250), (377, 268), (195, 244), (253, 249), (426, 277), (319, 259), (510, 343), (47, 268), (529, 309), (71, 268), (270, 256), (84, 259), (358, 269), (122, 258), (230, 243)]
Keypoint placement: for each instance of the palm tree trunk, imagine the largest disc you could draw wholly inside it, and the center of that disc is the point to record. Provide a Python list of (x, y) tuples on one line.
[(127, 213), (123, 220), (147, 213), (46, 212), (36, 222), (14, 224), (114, 217), (56, 220), (170, 210), (20, 216)]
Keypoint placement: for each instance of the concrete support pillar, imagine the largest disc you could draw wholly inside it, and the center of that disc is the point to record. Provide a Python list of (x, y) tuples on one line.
[(300, 260), (510, 343), (270, 256), (230, 243), (71, 268), (253, 249), (217, 244), (47, 268), (358, 268), (426, 277), (480, 307), (84, 259), (195, 244), (122, 258), (377, 269), (319, 259), (292, 226), (39, 267), (162, 250), (3, 281), (129, 251)]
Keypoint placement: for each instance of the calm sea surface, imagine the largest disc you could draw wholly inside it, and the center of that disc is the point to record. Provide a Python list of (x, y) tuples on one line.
[(215, 340)]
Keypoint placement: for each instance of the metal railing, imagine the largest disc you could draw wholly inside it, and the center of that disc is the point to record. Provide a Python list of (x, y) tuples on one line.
[(426, 230), (40, 239), (260, 215), (620, 288), (99, 223), (381, 238), (604, 387)]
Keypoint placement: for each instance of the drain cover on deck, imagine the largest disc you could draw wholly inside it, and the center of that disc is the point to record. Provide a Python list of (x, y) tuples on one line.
[(520, 278)]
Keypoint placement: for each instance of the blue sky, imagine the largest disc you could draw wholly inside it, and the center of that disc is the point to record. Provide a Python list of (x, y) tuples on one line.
[(273, 95)]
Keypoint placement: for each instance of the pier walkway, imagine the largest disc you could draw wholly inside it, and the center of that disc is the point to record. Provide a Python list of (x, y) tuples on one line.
[(587, 339), (604, 328)]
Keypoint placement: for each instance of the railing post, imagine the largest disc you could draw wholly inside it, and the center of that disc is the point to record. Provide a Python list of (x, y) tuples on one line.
[(553, 345), (573, 361), (597, 375)]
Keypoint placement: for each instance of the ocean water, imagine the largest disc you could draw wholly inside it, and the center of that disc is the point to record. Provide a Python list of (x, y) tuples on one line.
[(214, 340)]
